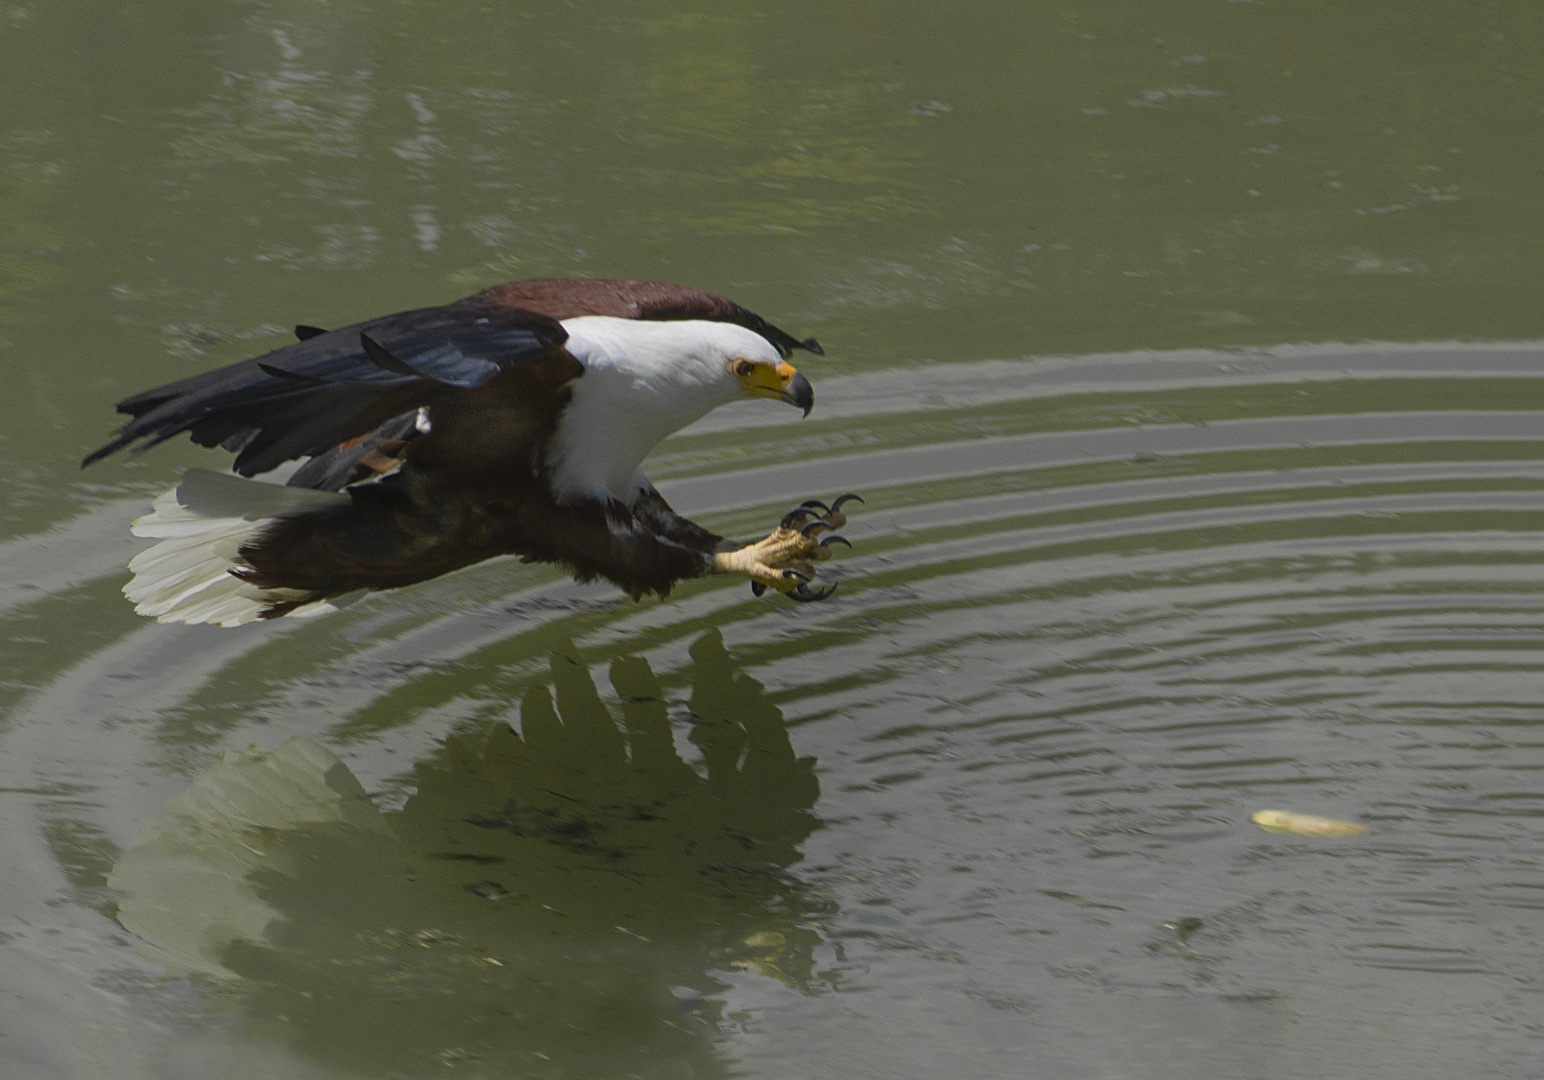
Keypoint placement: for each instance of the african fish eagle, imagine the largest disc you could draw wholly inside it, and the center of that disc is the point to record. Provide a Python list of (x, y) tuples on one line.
[(512, 422)]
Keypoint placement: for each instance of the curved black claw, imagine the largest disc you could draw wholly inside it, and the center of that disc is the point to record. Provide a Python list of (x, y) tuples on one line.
[(813, 527), (828, 541), (757, 588), (804, 594), (797, 575), (840, 499), (796, 516), (810, 504)]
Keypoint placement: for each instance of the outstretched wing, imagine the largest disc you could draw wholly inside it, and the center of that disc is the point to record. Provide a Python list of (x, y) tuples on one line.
[(334, 387)]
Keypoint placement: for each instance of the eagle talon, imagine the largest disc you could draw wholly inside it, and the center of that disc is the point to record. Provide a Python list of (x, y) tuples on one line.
[(834, 516), (785, 560)]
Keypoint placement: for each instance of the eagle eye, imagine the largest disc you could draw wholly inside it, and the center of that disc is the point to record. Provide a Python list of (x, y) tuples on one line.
[(744, 367)]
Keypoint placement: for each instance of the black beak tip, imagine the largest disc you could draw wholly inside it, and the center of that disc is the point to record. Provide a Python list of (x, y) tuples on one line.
[(802, 392)]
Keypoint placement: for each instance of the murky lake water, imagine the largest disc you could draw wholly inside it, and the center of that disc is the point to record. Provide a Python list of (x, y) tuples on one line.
[(1140, 556)]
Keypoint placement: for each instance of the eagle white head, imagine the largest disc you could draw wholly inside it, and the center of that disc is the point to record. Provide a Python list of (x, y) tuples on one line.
[(644, 381)]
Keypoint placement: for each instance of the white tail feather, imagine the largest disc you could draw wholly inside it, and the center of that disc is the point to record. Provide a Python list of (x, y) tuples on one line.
[(187, 578)]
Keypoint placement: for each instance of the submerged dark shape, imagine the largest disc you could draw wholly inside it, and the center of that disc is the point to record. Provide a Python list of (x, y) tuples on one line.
[(511, 422)]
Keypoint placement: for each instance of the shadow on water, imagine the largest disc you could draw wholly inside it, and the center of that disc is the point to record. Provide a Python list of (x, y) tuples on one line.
[(555, 900)]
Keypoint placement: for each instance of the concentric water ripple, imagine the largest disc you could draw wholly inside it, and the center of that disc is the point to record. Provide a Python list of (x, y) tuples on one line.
[(1100, 610)]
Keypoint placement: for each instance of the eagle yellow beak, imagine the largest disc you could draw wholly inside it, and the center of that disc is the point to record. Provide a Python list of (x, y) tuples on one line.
[(780, 381)]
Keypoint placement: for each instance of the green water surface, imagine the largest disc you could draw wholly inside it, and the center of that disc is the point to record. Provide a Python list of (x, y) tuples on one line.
[(1130, 568)]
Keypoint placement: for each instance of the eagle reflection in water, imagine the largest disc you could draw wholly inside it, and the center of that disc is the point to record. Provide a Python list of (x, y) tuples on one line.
[(552, 902)]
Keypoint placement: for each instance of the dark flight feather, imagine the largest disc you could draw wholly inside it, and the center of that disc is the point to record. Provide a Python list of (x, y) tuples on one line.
[(307, 398), (387, 362), (280, 373)]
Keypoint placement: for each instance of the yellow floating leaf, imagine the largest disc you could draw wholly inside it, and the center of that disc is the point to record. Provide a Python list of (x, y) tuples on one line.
[(1304, 824)]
